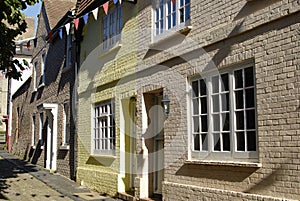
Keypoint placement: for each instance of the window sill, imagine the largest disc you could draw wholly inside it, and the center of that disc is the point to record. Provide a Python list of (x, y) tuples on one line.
[(170, 34), (41, 85), (108, 51), (224, 163), (112, 157), (42, 147), (64, 147), (66, 68)]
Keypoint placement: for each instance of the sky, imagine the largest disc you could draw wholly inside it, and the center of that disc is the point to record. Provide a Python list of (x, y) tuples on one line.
[(33, 11)]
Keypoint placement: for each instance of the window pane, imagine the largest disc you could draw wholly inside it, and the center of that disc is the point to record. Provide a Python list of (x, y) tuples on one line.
[(196, 106), (196, 143), (249, 98), (187, 13), (225, 121), (215, 100), (204, 126), (225, 102), (240, 120), (251, 141), (215, 84), (203, 105), (216, 122), (217, 145), (196, 124), (174, 19), (239, 99), (204, 139), (226, 141), (238, 78), (195, 88), (250, 114), (240, 141), (225, 83), (169, 22), (202, 88), (249, 79), (181, 15), (181, 3)]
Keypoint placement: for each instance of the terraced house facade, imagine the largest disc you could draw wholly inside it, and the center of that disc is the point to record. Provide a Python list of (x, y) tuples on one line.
[(43, 128), (190, 100)]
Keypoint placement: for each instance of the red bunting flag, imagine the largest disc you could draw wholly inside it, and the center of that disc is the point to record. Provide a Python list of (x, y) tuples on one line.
[(105, 7), (50, 36), (76, 23), (28, 45)]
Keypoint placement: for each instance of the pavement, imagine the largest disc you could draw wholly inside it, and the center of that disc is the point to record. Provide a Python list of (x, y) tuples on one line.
[(20, 180)]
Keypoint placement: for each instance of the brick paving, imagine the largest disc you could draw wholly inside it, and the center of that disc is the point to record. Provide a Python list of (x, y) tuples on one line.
[(20, 180)]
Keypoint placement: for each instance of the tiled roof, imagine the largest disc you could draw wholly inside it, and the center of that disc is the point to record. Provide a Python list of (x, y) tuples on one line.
[(30, 29), (56, 9), (85, 5)]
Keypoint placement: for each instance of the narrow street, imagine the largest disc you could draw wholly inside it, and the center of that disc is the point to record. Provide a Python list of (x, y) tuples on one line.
[(23, 181)]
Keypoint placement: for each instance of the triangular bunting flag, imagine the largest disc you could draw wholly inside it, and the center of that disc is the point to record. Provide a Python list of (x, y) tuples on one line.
[(76, 23), (105, 7), (116, 1), (67, 28), (120, 1), (28, 45), (60, 33), (86, 18), (35, 42), (95, 13)]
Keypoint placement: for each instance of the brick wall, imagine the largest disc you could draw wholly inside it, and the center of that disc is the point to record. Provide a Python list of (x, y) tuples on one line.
[(59, 86), (223, 34)]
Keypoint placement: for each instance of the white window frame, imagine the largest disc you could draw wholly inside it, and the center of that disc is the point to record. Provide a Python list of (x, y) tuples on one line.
[(104, 129), (43, 69), (34, 131), (225, 155), (111, 28), (66, 124), (35, 76), (162, 9), (41, 125)]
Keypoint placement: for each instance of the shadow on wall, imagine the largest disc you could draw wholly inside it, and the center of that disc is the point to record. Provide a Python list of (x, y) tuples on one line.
[(222, 173), (253, 6)]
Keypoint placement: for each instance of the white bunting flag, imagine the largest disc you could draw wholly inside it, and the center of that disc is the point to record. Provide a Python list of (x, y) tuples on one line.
[(95, 13), (67, 28)]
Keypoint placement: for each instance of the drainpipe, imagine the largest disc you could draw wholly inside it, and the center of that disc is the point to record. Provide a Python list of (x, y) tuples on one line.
[(8, 113)]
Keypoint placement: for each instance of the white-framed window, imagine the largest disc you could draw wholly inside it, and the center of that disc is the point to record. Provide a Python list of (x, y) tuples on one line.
[(169, 14), (66, 137), (35, 76), (111, 27), (43, 69), (41, 128), (223, 115), (68, 50), (34, 131), (103, 137)]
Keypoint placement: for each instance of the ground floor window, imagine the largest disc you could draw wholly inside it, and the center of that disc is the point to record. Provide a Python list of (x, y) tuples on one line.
[(104, 128), (224, 114)]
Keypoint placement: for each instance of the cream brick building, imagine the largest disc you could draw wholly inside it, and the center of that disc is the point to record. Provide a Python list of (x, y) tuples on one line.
[(231, 72)]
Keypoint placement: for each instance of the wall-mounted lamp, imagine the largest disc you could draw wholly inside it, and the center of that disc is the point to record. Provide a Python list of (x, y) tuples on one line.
[(166, 105)]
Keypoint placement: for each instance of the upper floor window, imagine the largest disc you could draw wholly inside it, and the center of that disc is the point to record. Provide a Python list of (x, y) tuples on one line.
[(111, 27), (36, 75), (224, 115), (66, 138), (43, 69), (68, 50), (104, 129), (170, 13)]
